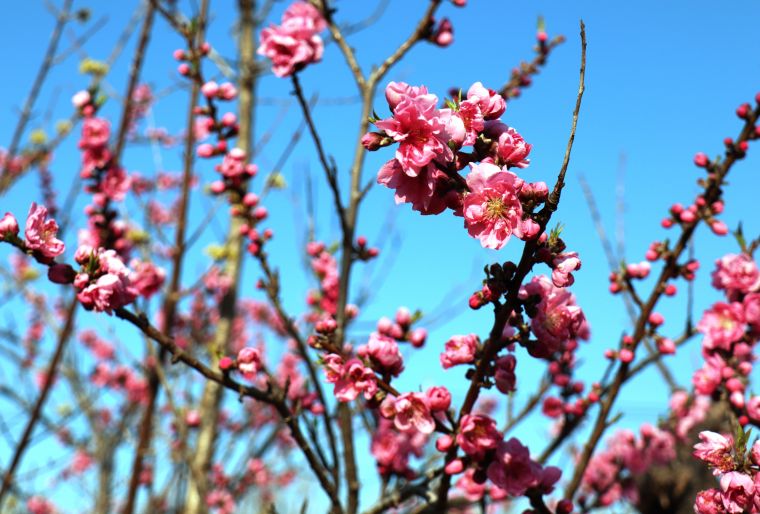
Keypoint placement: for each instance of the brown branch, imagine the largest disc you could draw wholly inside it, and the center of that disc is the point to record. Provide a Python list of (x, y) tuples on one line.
[(63, 338), (47, 62), (134, 77), (712, 193), (503, 312)]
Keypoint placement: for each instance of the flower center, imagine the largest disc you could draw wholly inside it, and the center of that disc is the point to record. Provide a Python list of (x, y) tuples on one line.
[(495, 208)]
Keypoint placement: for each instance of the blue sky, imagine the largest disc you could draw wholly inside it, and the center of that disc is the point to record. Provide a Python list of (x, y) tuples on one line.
[(663, 80)]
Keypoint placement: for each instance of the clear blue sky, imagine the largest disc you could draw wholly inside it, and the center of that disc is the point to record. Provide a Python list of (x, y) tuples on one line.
[(663, 80)]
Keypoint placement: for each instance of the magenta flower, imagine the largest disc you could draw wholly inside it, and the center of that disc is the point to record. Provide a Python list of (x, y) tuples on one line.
[(411, 411), (505, 373), (722, 325), (249, 362), (115, 183), (418, 126), (492, 209), (709, 502), (477, 435), (384, 354), (8, 226), (355, 378), (563, 265), (459, 350), (511, 150), (146, 277), (425, 191), (512, 468), (295, 43), (491, 103), (95, 133), (738, 490), (41, 233), (736, 274), (715, 449)]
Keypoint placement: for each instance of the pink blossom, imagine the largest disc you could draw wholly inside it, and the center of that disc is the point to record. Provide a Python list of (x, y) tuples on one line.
[(439, 398), (738, 490), (558, 318), (511, 149), (146, 277), (295, 43), (459, 350), (491, 103), (115, 183), (736, 274), (753, 408), (418, 126), (443, 34), (752, 310), (492, 209), (112, 289), (504, 375), (95, 133), (411, 411), (477, 435), (39, 505), (384, 354), (472, 122), (563, 265), (715, 449), (709, 502), (249, 362), (392, 448), (425, 191), (722, 325), (233, 165), (8, 226), (355, 379), (512, 468), (40, 233)]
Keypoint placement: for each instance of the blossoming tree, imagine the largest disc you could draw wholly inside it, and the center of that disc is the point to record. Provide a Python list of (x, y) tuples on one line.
[(238, 404)]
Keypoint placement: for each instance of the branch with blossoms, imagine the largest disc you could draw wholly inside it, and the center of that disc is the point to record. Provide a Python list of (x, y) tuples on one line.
[(326, 394)]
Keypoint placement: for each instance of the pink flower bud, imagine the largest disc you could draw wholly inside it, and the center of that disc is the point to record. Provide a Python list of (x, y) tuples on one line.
[(670, 290), (403, 317), (666, 346), (626, 355), (443, 443), (225, 363), (229, 119), (184, 69), (742, 110), (179, 54), (250, 199), (444, 34), (719, 228), (217, 187), (210, 89), (656, 319), (260, 213), (205, 150), (373, 141), (417, 337), (454, 467), (701, 160), (8, 226)]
